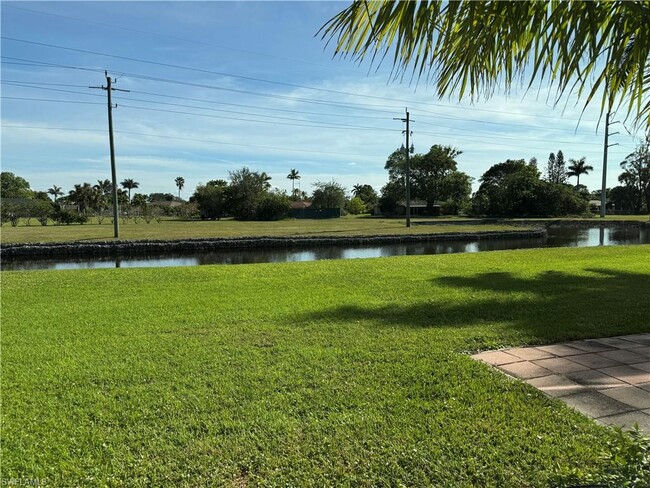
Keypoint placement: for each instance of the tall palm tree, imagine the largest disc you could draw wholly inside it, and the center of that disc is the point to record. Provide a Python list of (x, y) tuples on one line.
[(293, 176), (593, 49), (55, 191), (180, 183), (578, 167), (130, 184)]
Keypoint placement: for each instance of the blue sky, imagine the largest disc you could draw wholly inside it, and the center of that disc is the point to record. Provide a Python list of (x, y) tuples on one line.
[(328, 118)]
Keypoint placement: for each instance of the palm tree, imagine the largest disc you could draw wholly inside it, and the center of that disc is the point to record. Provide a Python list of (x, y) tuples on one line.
[(55, 191), (265, 180), (578, 167), (180, 183), (105, 186), (129, 184), (293, 176), (85, 197), (583, 48)]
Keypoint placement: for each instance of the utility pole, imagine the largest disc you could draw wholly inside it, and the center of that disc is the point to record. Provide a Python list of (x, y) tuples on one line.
[(603, 191), (408, 168), (109, 89)]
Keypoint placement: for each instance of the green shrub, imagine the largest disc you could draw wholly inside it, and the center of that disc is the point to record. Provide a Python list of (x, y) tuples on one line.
[(355, 206), (273, 206)]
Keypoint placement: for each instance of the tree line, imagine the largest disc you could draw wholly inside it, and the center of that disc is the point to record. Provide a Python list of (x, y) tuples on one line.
[(513, 188), (85, 200)]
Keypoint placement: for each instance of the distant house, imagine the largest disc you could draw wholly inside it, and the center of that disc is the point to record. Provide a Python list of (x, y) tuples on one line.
[(300, 205), (164, 203), (418, 207), (594, 206)]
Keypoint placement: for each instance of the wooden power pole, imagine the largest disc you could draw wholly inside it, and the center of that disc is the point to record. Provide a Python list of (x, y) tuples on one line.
[(109, 88), (407, 177)]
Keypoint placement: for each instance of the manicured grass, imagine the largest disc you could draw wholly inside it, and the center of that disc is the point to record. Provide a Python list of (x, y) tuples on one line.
[(329, 373), (179, 229)]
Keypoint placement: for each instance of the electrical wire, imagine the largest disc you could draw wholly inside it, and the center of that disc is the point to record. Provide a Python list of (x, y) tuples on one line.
[(210, 141), (260, 80), (313, 124), (174, 38)]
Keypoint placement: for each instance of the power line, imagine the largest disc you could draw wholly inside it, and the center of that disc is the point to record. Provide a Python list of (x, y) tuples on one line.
[(314, 124), (329, 126), (50, 100), (21, 84), (45, 64), (51, 128), (198, 70), (345, 105), (437, 116), (260, 80), (9, 83), (173, 38), (211, 141)]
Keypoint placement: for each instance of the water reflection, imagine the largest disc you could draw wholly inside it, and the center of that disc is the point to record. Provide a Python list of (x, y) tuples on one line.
[(557, 237)]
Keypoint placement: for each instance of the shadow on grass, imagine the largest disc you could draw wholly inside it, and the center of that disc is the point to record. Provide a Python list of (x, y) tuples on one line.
[(551, 306)]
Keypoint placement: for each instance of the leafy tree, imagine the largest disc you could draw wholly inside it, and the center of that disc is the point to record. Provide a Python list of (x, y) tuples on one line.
[(180, 183), (391, 194), (245, 192), (355, 206), (130, 184), (328, 195), (582, 47), (513, 188), (434, 175), (55, 191), (139, 200), (577, 168), (12, 186), (456, 188), (556, 168), (366, 193), (274, 205), (293, 176), (508, 188), (623, 198), (41, 195), (160, 197), (85, 197), (636, 176), (211, 199)]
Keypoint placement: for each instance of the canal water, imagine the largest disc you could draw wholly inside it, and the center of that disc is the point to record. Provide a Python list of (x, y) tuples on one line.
[(557, 237)]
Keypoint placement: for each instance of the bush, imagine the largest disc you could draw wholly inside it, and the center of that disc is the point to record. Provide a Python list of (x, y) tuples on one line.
[(450, 207), (273, 206), (355, 206), (61, 216)]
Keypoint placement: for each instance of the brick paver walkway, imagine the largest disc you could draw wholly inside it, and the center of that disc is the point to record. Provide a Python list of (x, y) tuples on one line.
[(606, 379)]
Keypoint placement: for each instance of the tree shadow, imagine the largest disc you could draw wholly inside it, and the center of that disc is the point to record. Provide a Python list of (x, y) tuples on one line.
[(550, 306)]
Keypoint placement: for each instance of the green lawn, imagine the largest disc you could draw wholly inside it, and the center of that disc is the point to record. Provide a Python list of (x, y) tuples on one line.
[(328, 373), (183, 229)]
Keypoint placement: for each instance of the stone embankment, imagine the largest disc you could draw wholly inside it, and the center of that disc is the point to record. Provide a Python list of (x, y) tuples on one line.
[(579, 223), (142, 247)]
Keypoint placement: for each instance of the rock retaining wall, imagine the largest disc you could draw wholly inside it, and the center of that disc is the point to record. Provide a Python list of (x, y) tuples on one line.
[(140, 247)]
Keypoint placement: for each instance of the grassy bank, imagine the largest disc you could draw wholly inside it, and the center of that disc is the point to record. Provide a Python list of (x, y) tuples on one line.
[(330, 373), (180, 229)]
